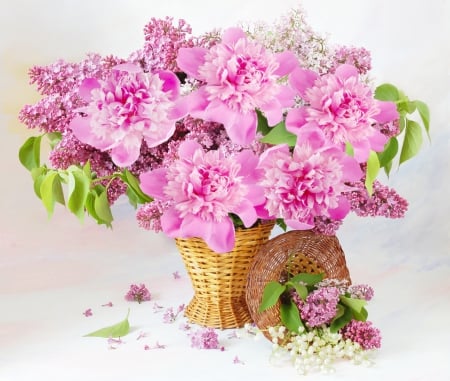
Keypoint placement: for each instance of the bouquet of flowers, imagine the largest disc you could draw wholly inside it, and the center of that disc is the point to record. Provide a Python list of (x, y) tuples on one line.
[(207, 133), (321, 320)]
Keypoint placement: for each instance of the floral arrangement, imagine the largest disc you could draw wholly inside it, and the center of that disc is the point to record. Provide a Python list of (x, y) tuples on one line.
[(322, 320), (208, 133)]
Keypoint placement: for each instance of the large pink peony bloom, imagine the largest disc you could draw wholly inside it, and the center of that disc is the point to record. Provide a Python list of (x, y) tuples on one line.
[(308, 182), (240, 76), (342, 107), (203, 188), (128, 106)]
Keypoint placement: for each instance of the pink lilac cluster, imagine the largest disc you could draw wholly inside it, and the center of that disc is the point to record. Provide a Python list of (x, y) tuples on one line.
[(384, 201), (205, 338), (171, 315), (319, 307), (138, 293), (363, 333), (361, 291)]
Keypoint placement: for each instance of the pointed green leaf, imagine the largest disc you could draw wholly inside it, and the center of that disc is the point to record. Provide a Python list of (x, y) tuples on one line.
[(90, 205), (117, 330), (424, 113), (412, 141), (54, 138), (272, 292), (301, 290), (290, 317), (58, 193), (263, 125), (103, 209), (46, 191), (355, 304), (309, 279), (30, 153), (343, 317), (279, 135), (349, 150), (78, 189), (134, 186), (390, 151), (362, 315), (387, 92), (373, 167)]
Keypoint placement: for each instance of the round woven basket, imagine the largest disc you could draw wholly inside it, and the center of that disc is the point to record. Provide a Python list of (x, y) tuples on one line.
[(219, 280), (294, 252)]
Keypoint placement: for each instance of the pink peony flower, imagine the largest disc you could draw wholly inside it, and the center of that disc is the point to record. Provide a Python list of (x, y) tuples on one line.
[(240, 76), (203, 188), (308, 182), (343, 108), (124, 109)]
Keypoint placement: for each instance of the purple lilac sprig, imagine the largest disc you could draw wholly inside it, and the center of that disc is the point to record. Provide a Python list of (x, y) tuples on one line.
[(363, 333), (205, 338), (138, 293)]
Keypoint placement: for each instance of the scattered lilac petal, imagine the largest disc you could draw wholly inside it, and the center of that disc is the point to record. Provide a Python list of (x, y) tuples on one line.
[(157, 308), (205, 338), (237, 360), (88, 312), (170, 316), (156, 346), (185, 326), (141, 335), (109, 304), (176, 275), (114, 343)]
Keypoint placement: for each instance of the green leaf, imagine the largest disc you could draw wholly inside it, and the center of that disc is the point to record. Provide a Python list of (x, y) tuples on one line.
[(373, 167), (412, 141), (388, 154), (349, 150), (301, 290), (279, 135), (343, 317), (117, 330), (272, 292), (30, 153), (78, 185), (54, 138), (281, 223), (309, 279), (387, 92), (134, 186), (103, 209), (355, 305), (46, 191), (58, 193), (290, 317), (38, 175), (263, 125), (424, 113), (362, 315)]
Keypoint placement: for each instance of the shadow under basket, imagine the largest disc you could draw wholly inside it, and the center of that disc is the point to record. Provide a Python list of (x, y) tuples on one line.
[(219, 280), (294, 252)]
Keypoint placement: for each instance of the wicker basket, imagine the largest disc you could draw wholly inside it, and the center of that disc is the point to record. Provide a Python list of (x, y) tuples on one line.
[(219, 280), (297, 252)]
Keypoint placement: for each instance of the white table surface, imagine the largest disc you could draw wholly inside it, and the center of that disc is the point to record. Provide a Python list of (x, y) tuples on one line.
[(51, 271)]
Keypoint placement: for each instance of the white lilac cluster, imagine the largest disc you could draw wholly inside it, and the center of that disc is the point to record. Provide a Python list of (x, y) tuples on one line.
[(316, 350)]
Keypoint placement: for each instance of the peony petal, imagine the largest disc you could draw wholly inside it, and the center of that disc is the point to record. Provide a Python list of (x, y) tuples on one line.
[(222, 237), (287, 63), (81, 128), (361, 150), (311, 134), (171, 223), (188, 148), (351, 168), (346, 71), (388, 112), (377, 140), (164, 133), (232, 35), (243, 130), (298, 225), (126, 153), (190, 59), (302, 79), (171, 84), (193, 104), (86, 87), (246, 212), (295, 119), (153, 182), (341, 211)]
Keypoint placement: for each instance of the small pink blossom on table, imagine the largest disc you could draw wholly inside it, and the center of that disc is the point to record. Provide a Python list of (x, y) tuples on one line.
[(170, 315), (88, 312), (205, 338), (138, 293), (109, 304)]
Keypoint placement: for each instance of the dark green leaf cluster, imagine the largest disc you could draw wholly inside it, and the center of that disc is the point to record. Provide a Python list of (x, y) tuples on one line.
[(76, 187), (348, 308)]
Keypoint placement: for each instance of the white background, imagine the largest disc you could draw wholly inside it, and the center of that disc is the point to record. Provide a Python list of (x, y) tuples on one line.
[(53, 270)]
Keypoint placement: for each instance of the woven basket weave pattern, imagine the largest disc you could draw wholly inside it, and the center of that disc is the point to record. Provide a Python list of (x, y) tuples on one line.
[(294, 252), (219, 280)]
